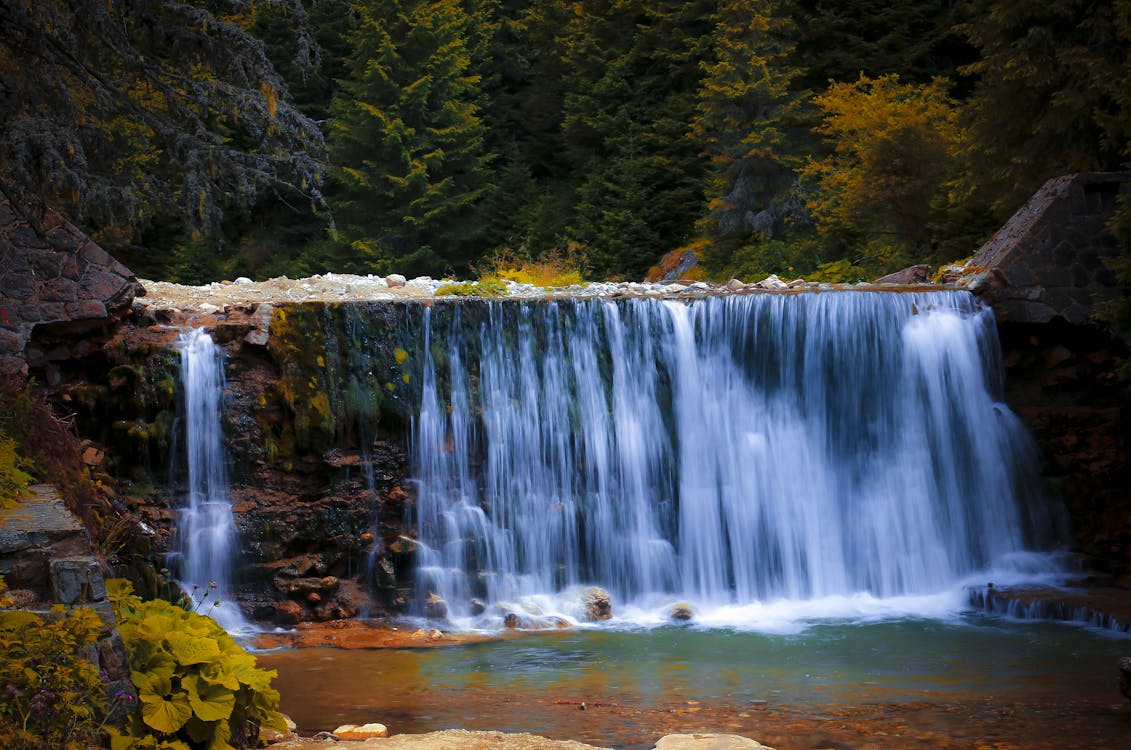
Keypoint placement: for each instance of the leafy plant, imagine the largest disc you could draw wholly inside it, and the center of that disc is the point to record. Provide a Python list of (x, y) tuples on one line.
[(484, 288), (51, 696), (13, 479), (197, 688), (557, 267)]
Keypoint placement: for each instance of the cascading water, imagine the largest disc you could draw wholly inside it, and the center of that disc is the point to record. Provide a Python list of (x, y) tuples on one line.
[(206, 529), (724, 451)]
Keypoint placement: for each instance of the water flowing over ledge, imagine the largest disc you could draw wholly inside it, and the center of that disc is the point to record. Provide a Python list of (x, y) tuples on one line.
[(730, 452)]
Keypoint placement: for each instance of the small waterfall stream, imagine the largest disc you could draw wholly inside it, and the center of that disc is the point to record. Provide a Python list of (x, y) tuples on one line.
[(725, 451), (206, 540)]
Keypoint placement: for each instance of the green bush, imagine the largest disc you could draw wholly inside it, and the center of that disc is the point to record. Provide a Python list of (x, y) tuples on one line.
[(484, 288), (52, 696), (13, 479), (197, 688)]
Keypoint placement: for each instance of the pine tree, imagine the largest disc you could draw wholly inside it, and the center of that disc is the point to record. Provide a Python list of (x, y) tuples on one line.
[(407, 141), (743, 104), (1051, 95), (631, 91)]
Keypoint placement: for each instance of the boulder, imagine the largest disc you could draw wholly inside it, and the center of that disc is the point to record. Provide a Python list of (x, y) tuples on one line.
[(699, 741), (288, 613), (435, 608), (361, 732), (682, 612), (918, 274), (773, 282), (595, 601), (395, 279)]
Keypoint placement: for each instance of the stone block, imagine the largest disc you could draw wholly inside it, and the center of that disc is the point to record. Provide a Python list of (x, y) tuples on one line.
[(77, 580)]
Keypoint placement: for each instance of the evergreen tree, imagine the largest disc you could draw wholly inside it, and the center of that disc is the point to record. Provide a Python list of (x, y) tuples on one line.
[(633, 76), (407, 141), (744, 101), (1051, 95), (839, 40)]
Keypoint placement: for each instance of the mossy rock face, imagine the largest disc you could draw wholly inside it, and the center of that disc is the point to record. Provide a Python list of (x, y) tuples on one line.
[(343, 367)]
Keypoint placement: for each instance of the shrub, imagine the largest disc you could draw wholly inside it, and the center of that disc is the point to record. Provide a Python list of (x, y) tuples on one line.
[(13, 479), (52, 696), (484, 288), (48, 443), (197, 688), (555, 268)]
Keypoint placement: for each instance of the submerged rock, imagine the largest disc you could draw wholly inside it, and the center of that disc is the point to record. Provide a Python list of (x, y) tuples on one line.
[(682, 611)]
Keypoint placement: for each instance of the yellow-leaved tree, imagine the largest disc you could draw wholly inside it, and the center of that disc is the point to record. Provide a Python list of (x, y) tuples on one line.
[(894, 149)]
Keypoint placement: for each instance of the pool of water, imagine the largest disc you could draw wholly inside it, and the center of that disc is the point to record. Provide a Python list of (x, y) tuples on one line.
[(962, 682)]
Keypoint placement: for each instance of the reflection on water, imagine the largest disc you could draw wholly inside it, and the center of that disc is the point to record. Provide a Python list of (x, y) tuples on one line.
[(946, 684)]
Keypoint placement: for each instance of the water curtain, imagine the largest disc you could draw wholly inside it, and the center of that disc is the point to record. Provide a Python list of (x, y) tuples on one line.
[(724, 450)]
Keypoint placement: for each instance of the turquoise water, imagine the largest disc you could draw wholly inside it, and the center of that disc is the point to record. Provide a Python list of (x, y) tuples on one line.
[(959, 678)]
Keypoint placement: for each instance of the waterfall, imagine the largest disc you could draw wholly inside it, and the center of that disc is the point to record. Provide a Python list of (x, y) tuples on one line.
[(723, 451), (206, 530)]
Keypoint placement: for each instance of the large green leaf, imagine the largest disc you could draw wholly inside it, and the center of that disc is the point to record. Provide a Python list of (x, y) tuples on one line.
[(209, 702), (166, 714), (220, 673), (191, 649), (222, 739)]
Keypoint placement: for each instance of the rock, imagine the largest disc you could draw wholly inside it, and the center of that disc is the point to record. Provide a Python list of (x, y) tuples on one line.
[(1125, 677), (735, 285), (361, 732), (708, 742), (76, 580), (243, 280), (919, 274), (477, 607), (395, 280), (511, 621), (451, 739), (682, 611), (773, 282), (595, 601), (952, 273), (288, 613), (435, 608)]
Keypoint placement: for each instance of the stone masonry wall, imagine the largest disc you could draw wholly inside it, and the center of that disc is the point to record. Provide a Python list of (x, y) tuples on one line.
[(1050, 259), (58, 289)]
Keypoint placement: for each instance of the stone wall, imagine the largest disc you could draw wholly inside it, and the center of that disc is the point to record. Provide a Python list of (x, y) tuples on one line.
[(1050, 260), (46, 558), (59, 291), (1043, 272)]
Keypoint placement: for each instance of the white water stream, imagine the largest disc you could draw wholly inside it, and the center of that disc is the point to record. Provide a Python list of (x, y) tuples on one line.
[(206, 531), (762, 457)]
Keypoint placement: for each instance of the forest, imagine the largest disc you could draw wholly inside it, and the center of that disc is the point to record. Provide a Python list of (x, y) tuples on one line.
[(832, 139)]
